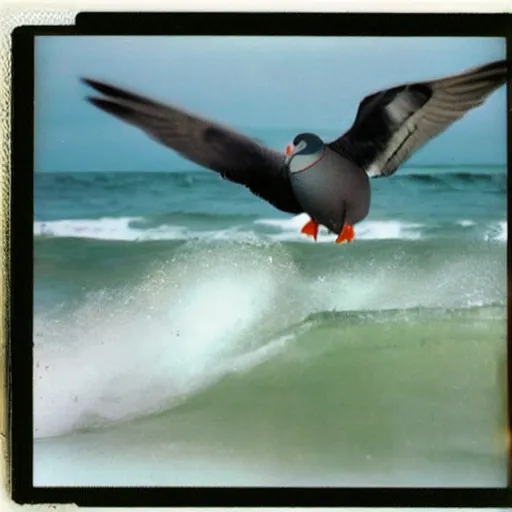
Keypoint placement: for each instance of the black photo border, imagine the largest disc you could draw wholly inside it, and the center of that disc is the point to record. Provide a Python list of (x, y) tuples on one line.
[(20, 265)]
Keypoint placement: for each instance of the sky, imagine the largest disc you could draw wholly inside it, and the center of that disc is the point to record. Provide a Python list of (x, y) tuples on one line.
[(268, 87)]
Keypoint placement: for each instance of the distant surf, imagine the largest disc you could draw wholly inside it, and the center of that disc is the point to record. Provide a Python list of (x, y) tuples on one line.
[(278, 230)]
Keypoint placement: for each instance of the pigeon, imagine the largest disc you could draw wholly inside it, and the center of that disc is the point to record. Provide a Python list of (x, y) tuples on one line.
[(330, 181)]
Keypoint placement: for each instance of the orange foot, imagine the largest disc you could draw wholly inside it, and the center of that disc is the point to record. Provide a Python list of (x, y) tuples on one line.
[(310, 229), (347, 234)]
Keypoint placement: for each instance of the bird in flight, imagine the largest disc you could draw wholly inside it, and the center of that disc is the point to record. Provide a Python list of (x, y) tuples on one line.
[(330, 181)]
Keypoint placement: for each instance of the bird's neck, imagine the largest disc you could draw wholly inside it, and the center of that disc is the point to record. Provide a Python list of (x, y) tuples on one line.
[(301, 163)]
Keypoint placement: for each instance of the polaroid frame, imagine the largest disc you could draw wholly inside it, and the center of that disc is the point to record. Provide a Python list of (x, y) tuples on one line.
[(20, 264)]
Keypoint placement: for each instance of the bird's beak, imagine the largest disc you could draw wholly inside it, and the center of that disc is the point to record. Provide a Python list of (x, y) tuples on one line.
[(289, 153)]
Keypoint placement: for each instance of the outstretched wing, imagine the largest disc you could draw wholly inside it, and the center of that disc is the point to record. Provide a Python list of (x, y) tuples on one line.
[(392, 124), (233, 155)]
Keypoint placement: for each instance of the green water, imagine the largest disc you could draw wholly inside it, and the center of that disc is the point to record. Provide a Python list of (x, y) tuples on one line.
[(401, 398)]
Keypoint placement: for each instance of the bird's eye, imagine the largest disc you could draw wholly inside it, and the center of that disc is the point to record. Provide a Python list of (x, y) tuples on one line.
[(300, 146)]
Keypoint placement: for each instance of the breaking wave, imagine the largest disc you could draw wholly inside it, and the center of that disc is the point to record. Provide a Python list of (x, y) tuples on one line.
[(211, 312), (278, 230)]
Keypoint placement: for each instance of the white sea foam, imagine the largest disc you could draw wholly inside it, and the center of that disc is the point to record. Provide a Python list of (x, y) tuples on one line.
[(466, 223), (118, 358), (503, 234), (497, 231), (106, 228), (125, 229), (279, 230)]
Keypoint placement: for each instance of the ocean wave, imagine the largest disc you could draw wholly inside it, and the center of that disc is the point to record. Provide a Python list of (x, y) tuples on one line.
[(132, 229), (107, 228), (153, 345), (212, 312), (444, 176), (138, 229), (126, 179)]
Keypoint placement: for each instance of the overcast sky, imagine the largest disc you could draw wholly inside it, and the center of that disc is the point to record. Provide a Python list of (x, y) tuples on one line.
[(253, 84)]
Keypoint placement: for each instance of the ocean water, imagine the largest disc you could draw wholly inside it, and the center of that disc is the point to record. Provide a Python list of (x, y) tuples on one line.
[(186, 333)]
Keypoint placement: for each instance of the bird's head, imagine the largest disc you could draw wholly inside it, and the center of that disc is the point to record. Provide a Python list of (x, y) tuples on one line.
[(305, 150)]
